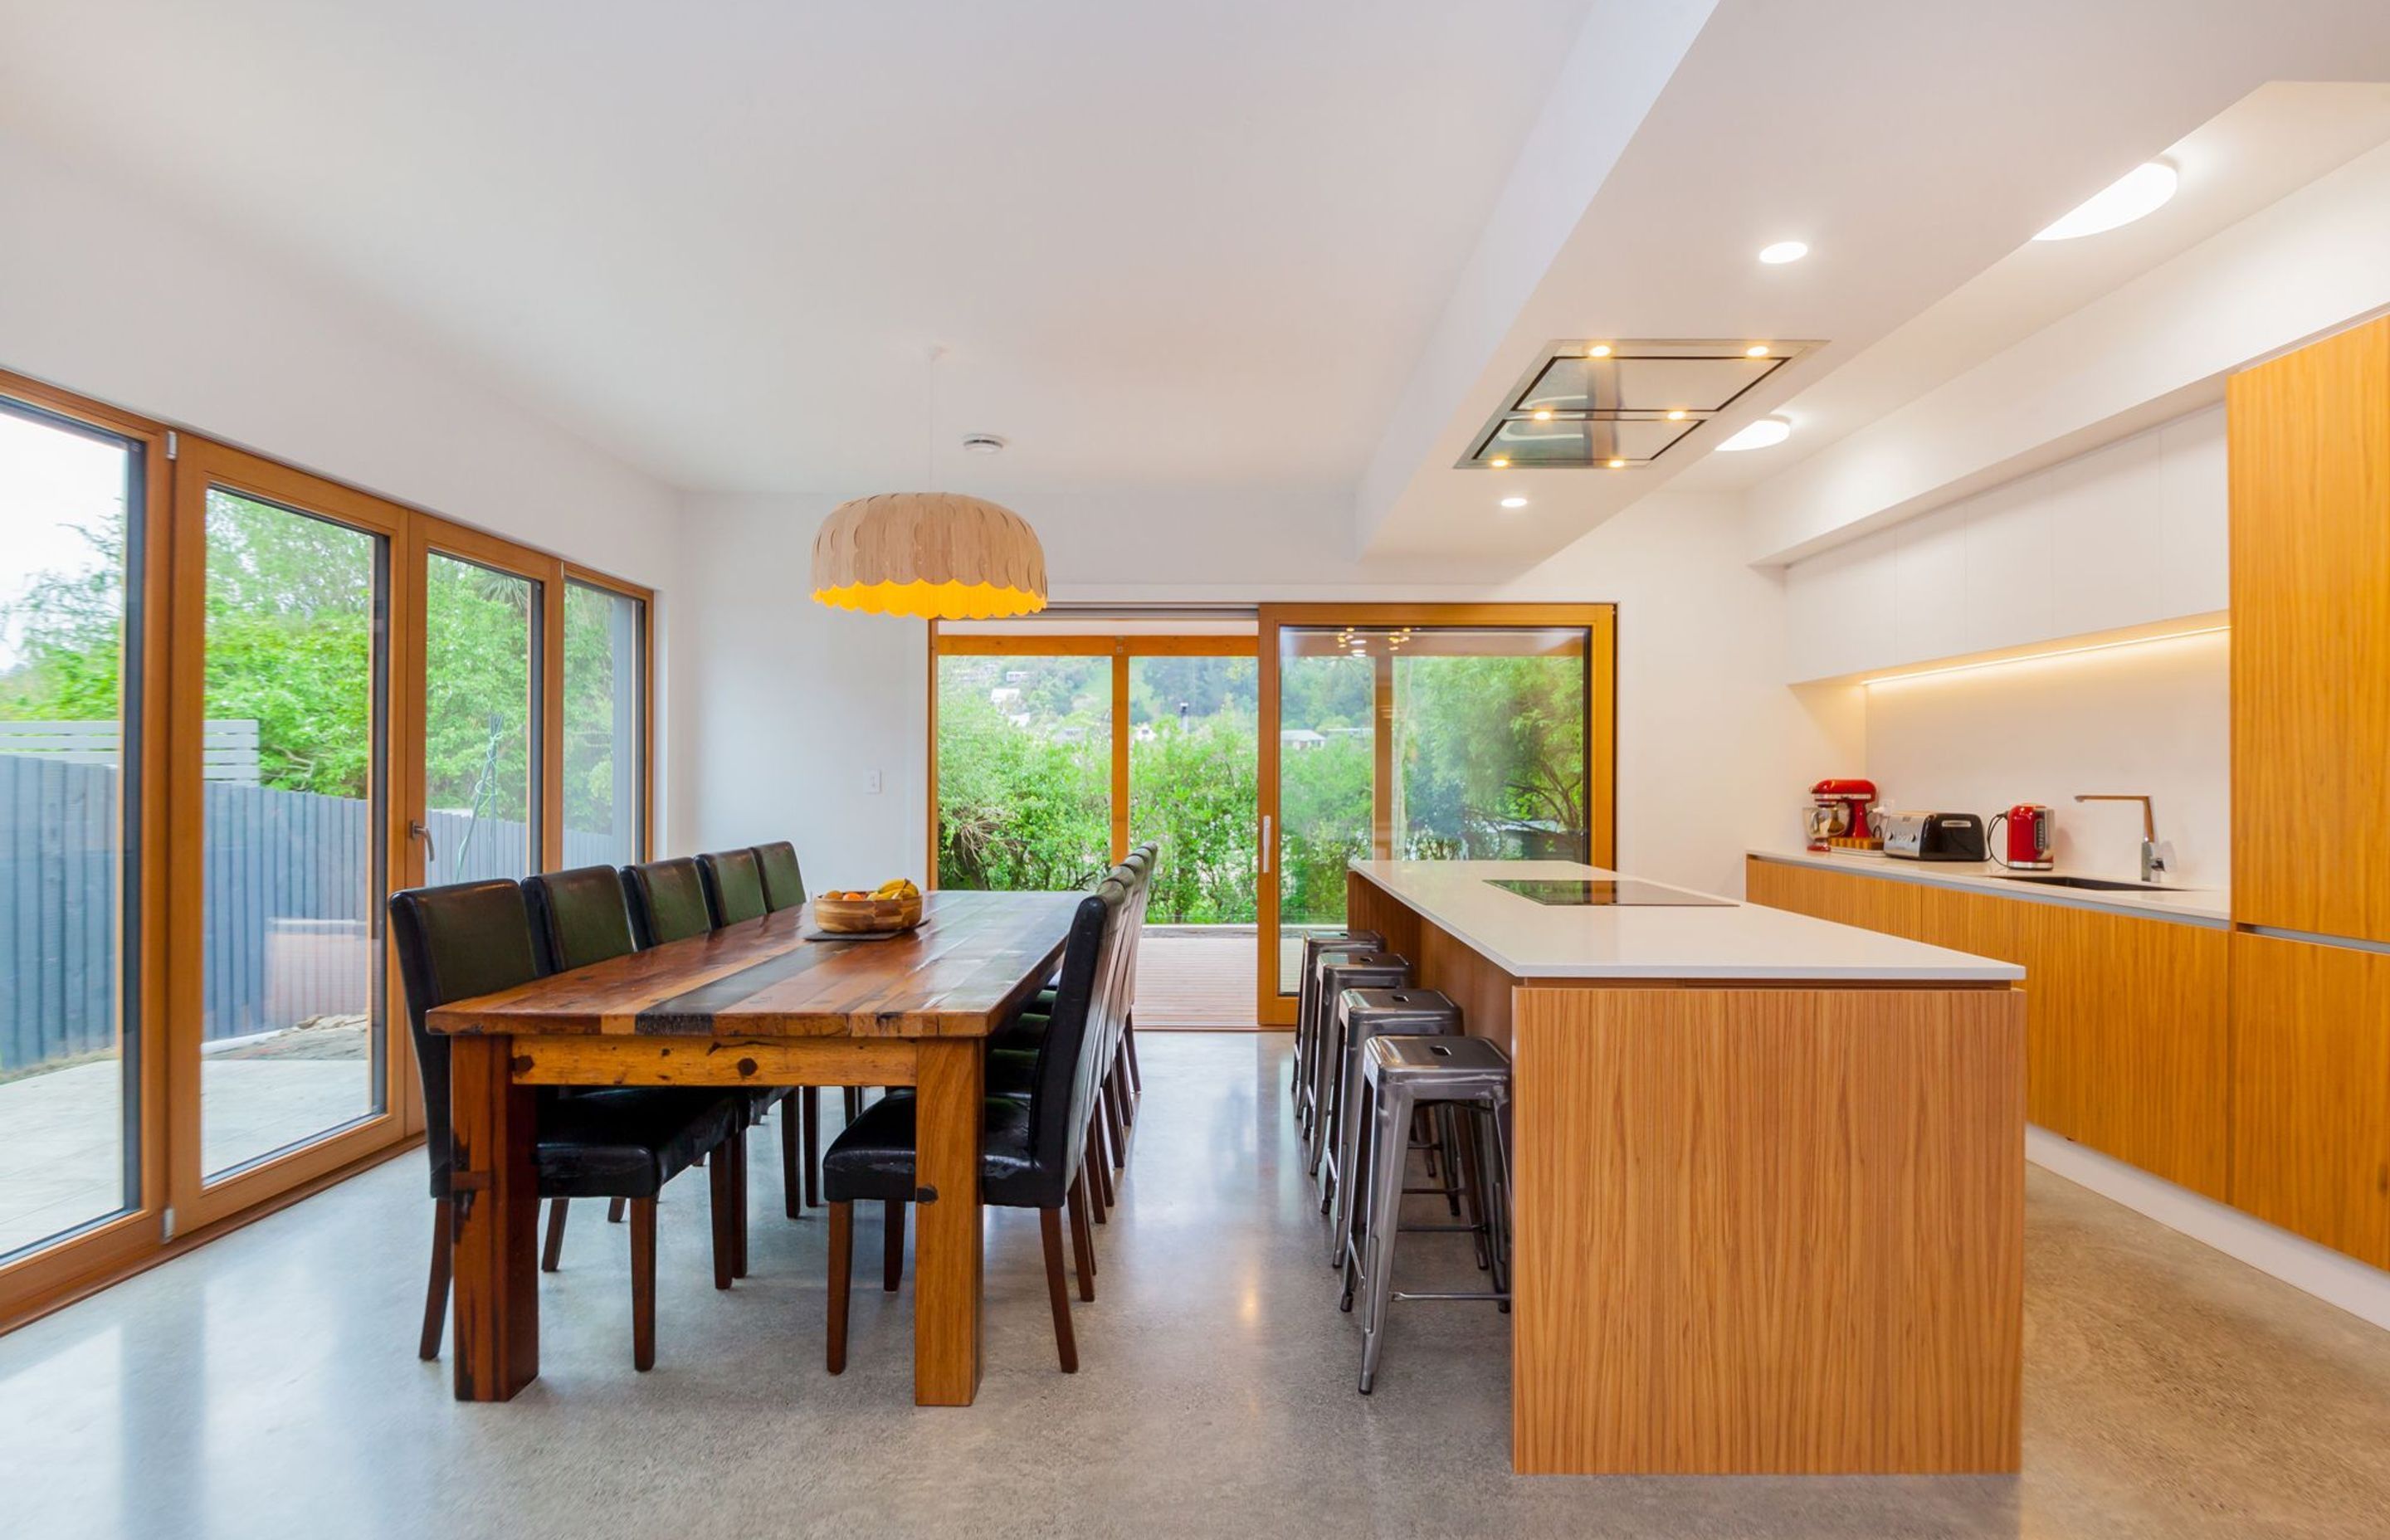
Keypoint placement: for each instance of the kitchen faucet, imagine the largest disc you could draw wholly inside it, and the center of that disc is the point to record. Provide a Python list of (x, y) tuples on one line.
[(2157, 860)]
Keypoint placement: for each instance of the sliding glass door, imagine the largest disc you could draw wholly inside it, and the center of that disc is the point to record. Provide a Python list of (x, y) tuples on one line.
[(73, 500), (1422, 733), (1024, 768), (240, 705), (285, 737)]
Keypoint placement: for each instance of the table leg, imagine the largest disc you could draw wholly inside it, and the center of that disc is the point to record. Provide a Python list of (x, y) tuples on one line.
[(496, 1338), (947, 1246)]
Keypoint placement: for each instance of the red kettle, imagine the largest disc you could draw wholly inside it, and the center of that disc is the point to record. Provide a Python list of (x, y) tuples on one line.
[(2028, 841)]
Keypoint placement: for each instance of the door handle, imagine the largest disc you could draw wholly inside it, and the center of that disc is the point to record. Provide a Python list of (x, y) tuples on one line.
[(431, 851), (1265, 844)]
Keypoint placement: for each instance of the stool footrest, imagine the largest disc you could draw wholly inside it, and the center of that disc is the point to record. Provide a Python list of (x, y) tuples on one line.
[(1493, 1296)]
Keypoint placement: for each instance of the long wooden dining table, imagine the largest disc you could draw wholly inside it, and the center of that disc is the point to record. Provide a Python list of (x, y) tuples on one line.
[(753, 1004)]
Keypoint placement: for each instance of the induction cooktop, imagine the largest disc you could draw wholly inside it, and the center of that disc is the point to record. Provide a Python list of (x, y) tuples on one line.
[(1605, 893)]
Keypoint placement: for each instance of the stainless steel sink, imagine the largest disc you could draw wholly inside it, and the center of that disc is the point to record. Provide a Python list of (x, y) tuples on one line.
[(2098, 884)]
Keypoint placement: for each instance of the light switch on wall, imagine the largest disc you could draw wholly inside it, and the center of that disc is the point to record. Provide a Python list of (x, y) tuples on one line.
[(871, 782)]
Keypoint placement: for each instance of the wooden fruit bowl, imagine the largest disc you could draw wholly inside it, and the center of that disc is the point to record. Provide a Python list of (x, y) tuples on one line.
[(867, 916)]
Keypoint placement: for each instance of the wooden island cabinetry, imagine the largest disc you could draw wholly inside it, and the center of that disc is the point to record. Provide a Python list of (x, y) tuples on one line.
[(2128, 1036)]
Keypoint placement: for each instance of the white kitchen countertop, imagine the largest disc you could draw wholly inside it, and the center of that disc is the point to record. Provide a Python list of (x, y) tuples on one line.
[(2211, 907), (1529, 940)]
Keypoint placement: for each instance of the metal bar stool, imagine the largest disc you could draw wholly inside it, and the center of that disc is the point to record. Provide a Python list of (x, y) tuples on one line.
[(1400, 1074), (1310, 1012), (1366, 1014), (1337, 974)]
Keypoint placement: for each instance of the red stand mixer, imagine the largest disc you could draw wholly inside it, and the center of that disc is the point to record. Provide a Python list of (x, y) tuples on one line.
[(1839, 815)]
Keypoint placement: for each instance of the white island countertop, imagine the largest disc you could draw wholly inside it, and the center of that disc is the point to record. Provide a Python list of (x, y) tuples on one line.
[(1725, 941)]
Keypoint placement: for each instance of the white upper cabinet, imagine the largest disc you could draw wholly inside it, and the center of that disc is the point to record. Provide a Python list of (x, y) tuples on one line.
[(2126, 535)]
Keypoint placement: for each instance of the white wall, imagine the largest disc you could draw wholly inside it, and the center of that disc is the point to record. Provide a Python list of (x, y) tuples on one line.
[(2152, 717), (783, 705), (115, 295)]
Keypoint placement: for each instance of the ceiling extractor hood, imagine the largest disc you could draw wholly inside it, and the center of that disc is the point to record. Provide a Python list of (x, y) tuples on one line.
[(1596, 403)]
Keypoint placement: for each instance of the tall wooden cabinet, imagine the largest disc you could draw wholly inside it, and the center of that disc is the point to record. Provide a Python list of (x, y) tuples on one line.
[(2309, 436)]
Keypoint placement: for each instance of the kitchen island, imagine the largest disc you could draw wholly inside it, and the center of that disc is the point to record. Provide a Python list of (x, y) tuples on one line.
[(1770, 1173)]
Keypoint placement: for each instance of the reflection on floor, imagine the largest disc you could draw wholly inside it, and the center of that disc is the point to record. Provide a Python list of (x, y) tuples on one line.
[(266, 1385)]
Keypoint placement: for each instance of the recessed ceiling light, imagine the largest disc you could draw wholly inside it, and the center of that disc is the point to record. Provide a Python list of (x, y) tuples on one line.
[(1514, 501), (2140, 191), (1600, 349), (1545, 414), (1784, 251), (1618, 465), (1761, 434), (1756, 350), (1677, 414), (1500, 462)]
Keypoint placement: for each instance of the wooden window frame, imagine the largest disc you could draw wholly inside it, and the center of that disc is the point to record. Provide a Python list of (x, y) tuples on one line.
[(177, 1207), (40, 1278)]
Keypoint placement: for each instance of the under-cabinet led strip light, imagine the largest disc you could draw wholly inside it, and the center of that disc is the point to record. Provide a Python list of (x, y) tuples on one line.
[(2038, 657)]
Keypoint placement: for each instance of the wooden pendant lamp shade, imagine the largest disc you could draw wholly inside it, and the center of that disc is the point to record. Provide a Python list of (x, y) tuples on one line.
[(938, 555)]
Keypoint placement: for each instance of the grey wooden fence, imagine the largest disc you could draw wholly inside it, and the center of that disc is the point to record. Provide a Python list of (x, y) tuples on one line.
[(293, 921)]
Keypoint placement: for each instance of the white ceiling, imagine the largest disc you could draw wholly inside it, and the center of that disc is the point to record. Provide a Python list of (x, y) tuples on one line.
[(1181, 245), (1187, 256)]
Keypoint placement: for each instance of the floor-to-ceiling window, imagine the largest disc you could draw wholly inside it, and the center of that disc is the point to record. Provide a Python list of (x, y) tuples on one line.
[(240, 705), (75, 513), (1056, 750), (296, 785), (605, 724)]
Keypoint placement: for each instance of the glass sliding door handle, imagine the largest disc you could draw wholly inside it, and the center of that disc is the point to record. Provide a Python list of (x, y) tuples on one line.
[(1265, 844), (431, 851)]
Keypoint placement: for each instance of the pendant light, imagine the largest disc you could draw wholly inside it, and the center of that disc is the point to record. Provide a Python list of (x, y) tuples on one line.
[(937, 555)]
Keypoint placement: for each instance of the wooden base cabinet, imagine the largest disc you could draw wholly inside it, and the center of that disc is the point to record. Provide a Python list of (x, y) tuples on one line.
[(2127, 1020), (2311, 1091)]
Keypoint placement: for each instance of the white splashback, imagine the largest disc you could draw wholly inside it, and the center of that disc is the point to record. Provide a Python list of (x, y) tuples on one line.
[(2150, 717)]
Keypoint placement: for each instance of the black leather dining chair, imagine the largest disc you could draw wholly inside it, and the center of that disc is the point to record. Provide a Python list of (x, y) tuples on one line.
[(1033, 1149), (734, 886), (582, 917), (676, 899), (784, 884), (667, 901), (472, 938)]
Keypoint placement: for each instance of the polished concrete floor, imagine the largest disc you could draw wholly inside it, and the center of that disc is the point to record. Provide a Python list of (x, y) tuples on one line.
[(266, 1386)]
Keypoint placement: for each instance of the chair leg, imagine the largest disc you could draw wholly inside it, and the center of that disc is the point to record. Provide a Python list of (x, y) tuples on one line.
[(792, 1194), (854, 1101), (891, 1262), (724, 1204), (736, 1153), (1100, 1175), (614, 1211), (435, 1292), (811, 1099), (1058, 1291), (1082, 1238), (1129, 1050), (1110, 1105), (643, 1283), (552, 1254), (841, 1270)]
